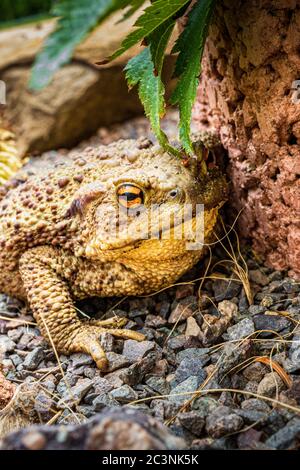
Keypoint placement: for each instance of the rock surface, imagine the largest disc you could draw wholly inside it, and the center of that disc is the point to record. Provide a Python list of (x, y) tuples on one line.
[(111, 430), (80, 98), (247, 93)]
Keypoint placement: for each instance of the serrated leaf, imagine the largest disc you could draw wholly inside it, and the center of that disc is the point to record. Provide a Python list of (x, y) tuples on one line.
[(158, 41), (76, 19), (140, 71), (135, 5), (153, 17), (190, 45)]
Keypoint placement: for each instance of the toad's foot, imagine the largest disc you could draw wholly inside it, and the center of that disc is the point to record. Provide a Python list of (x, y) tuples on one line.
[(86, 340), (52, 306), (114, 322)]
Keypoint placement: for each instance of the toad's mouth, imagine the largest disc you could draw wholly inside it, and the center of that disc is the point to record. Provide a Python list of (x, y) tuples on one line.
[(169, 224), (190, 231)]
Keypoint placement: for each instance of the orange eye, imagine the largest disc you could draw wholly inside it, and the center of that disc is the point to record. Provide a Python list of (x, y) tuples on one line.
[(130, 196)]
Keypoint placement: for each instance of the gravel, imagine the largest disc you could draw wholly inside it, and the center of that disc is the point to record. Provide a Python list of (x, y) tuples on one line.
[(223, 420), (194, 340)]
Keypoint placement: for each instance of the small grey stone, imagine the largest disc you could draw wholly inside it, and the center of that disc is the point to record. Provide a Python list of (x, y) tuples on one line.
[(291, 286), (269, 384), (256, 309), (183, 309), (139, 407), (135, 350), (16, 359), (102, 401), (33, 359), (189, 367), (15, 334), (80, 359), (192, 421), (241, 329), (189, 385), (75, 394), (224, 289), (223, 420), (253, 416), (43, 403), (255, 372), (114, 378), (176, 342), (6, 344), (136, 372), (285, 437), (198, 354), (271, 323), (158, 384), (116, 361), (255, 404), (233, 355), (101, 385), (204, 406), (124, 394), (86, 410)]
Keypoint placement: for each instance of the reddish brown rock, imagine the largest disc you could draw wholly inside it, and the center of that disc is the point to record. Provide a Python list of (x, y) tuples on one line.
[(250, 64), (7, 390)]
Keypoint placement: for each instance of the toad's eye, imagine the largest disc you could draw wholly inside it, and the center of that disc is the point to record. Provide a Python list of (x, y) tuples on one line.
[(130, 196), (175, 193)]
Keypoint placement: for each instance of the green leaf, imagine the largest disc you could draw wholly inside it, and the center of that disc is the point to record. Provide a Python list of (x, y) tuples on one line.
[(77, 19), (153, 17), (190, 45), (140, 70), (135, 5), (158, 41)]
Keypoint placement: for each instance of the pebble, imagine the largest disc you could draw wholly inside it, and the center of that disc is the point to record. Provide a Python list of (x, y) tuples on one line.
[(124, 394), (241, 329), (75, 394), (255, 372), (271, 323), (192, 327), (255, 404), (183, 309), (116, 361), (197, 354), (225, 289), (223, 420), (256, 309), (268, 386), (107, 342), (188, 367), (189, 385), (192, 421), (80, 359), (158, 384), (249, 439), (33, 359), (102, 401), (135, 350), (6, 344), (258, 277), (286, 437)]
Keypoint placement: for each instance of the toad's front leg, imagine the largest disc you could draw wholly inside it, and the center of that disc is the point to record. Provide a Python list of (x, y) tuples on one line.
[(53, 308)]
